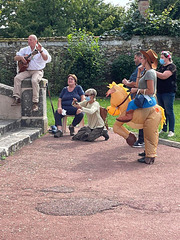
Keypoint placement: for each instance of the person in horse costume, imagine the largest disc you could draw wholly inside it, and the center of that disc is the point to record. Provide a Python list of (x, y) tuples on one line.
[(148, 117)]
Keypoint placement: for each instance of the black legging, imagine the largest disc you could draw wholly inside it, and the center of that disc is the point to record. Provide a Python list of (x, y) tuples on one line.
[(69, 111)]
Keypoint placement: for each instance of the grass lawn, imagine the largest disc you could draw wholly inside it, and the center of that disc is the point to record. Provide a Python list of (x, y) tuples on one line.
[(104, 102)]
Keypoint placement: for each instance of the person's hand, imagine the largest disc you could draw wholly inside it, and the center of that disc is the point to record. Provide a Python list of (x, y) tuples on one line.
[(110, 91), (39, 47), (79, 111), (133, 90), (74, 102), (140, 68), (77, 106), (59, 110), (125, 81), (23, 59)]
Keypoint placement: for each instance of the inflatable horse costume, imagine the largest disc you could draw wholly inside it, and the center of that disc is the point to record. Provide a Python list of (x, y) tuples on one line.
[(147, 119)]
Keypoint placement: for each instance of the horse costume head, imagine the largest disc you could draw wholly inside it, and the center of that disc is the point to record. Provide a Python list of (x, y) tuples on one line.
[(120, 97)]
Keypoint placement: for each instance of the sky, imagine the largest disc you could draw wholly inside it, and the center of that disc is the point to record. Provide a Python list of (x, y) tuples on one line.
[(117, 2)]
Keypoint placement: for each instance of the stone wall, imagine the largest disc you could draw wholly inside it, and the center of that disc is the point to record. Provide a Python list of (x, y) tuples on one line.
[(114, 46)]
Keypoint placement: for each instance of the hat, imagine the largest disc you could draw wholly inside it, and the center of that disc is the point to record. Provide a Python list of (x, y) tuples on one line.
[(152, 57)]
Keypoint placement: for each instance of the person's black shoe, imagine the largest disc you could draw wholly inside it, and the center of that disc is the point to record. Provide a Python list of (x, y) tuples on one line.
[(71, 129), (147, 160), (16, 102), (137, 144), (141, 160), (143, 154), (105, 135), (58, 134)]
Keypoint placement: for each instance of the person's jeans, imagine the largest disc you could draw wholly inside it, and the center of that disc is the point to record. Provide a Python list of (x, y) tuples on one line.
[(141, 136), (166, 100)]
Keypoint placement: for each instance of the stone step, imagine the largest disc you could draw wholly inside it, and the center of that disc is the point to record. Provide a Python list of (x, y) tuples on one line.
[(9, 125), (15, 139)]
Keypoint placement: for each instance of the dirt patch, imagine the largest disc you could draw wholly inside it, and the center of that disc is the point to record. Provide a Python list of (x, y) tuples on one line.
[(76, 206)]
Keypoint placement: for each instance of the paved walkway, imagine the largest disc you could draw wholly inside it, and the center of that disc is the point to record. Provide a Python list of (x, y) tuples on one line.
[(61, 189)]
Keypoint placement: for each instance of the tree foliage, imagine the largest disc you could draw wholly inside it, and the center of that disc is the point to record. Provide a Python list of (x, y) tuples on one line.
[(122, 67), (152, 24), (159, 6), (83, 58), (50, 18)]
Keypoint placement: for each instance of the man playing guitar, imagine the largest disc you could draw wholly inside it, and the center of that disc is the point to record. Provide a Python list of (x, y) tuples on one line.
[(31, 62)]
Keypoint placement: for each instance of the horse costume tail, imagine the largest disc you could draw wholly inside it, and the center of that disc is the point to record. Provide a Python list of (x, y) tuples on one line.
[(163, 119)]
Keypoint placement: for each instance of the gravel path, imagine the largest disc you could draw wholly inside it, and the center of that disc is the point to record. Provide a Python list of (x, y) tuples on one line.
[(61, 189)]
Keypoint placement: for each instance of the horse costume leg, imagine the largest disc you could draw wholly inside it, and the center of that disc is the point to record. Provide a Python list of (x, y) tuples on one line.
[(151, 133), (122, 131)]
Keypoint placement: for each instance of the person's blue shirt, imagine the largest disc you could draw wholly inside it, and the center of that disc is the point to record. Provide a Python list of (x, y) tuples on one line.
[(67, 97), (134, 74)]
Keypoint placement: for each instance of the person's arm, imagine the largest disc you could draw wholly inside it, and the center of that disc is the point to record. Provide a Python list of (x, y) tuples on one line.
[(42, 51), (148, 91), (20, 58), (82, 98), (59, 106), (91, 110), (128, 83), (164, 75), (150, 88), (140, 69), (43, 55)]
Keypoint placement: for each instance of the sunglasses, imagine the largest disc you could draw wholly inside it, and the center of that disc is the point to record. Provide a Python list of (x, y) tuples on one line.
[(87, 95)]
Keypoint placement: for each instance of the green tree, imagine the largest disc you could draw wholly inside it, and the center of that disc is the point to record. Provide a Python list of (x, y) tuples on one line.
[(31, 17), (159, 6), (50, 18), (87, 60), (83, 57), (8, 11), (153, 24)]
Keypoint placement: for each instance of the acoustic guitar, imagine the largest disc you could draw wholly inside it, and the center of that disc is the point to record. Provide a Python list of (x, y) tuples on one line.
[(23, 66)]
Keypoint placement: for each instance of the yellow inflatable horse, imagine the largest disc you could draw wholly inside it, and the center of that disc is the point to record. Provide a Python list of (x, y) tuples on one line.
[(147, 119)]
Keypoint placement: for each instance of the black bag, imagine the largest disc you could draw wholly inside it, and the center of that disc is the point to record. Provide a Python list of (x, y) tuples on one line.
[(139, 100)]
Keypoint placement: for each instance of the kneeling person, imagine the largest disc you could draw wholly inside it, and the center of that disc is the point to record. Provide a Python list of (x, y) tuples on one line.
[(95, 128)]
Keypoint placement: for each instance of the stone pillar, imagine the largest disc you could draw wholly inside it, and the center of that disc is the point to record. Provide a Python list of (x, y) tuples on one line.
[(143, 5), (30, 118)]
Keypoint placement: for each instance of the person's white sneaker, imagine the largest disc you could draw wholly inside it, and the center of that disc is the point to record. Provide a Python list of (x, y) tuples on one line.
[(170, 134), (161, 132)]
